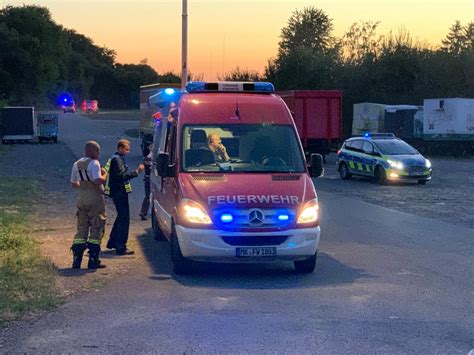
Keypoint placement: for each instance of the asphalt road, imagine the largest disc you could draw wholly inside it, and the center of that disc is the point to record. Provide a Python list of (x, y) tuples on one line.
[(386, 282)]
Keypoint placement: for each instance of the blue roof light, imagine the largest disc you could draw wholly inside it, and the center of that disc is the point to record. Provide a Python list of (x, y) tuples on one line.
[(283, 217), (196, 86), (264, 87), (230, 86), (366, 134), (226, 218), (169, 91)]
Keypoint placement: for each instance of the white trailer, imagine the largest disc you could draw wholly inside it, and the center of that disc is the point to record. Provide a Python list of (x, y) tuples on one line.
[(402, 120), (19, 124), (450, 119)]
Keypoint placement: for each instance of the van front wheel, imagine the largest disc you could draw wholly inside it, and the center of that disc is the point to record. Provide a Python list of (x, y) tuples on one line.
[(306, 266), (181, 265)]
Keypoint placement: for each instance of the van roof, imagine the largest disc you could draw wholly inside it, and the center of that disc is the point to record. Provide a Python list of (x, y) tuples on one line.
[(229, 108)]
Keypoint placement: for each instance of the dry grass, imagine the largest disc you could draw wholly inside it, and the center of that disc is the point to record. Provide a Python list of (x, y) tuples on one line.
[(27, 279)]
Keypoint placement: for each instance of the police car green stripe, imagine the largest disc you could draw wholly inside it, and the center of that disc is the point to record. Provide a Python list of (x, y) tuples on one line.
[(382, 157)]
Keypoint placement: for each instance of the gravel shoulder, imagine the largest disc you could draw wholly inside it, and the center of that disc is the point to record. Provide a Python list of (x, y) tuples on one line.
[(54, 221)]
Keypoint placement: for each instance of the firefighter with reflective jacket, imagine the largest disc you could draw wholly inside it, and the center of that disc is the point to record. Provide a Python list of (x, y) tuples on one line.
[(118, 187), (88, 177)]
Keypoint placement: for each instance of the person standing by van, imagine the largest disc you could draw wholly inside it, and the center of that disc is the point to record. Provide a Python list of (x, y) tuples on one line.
[(118, 187), (88, 177)]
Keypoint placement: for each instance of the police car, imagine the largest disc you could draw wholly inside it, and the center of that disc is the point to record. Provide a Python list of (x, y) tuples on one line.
[(382, 157)]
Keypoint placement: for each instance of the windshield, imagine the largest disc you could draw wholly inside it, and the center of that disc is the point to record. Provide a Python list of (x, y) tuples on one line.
[(395, 147), (241, 148)]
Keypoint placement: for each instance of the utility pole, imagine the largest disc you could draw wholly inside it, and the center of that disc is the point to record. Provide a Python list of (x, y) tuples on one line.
[(184, 42)]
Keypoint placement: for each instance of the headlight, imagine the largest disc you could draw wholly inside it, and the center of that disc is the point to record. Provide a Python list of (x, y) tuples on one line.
[(428, 164), (395, 164), (309, 213), (194, 212)]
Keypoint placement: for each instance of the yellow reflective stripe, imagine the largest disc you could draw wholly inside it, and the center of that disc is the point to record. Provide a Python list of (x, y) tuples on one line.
[(107, 165), (367, 167), (128, 187), (106, 185), (78, 241), (351, 164), (359, 166), (93, 241)]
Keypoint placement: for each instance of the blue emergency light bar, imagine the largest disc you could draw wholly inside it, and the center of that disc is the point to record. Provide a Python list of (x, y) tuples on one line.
[(377, 135), (230, 86)]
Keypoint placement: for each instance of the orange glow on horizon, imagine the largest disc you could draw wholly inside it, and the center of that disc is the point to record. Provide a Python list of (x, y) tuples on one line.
[(226, 34)]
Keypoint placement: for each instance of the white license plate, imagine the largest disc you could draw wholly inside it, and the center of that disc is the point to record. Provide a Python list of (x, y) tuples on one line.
[(255, 252)]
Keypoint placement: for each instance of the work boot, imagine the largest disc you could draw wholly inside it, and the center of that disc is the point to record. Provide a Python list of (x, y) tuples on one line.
[(77, 252), (94, 261)]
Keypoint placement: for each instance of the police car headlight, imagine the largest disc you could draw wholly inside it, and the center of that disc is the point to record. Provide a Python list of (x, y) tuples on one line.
[(428, 163), (194, 212), (395, 164), (309, 213)]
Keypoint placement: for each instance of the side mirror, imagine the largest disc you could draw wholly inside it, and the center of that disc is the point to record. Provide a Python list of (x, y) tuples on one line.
[(316, 166), (162, 164)]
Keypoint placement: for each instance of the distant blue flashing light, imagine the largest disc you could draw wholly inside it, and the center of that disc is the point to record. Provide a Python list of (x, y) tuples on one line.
[(230, 86), (283, 217), (169, 91), (65, 100), (366, 134), (226, 218)]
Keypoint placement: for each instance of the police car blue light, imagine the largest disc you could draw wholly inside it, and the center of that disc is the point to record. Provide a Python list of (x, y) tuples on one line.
[(226, 218), (283, 217), (169, 91)]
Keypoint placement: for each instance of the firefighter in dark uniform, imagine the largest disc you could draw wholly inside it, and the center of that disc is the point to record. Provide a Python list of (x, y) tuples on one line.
[(147, 161), (118, 187), (88, 177)]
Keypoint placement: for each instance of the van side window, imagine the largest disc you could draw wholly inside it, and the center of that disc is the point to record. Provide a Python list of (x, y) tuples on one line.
[(171, 142)]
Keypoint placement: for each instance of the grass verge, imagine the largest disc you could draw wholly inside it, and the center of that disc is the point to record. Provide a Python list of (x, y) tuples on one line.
[(27, 279)]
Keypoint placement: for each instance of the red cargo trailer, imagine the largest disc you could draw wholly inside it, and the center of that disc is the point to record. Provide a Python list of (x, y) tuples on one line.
[(318, 118)]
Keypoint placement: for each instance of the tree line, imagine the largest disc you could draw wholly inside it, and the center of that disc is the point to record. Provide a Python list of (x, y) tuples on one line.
[(391, 68), (41, 60)]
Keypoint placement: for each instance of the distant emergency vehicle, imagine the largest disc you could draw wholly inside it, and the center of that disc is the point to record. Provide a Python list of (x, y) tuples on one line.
[(382, 157), (249, 200), (90, 106), (68, 105)]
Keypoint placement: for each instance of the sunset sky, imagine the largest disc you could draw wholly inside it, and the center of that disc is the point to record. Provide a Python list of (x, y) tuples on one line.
[(227, 33)]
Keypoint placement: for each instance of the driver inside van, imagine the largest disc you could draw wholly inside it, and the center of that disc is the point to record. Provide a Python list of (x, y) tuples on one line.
[(215, 145)]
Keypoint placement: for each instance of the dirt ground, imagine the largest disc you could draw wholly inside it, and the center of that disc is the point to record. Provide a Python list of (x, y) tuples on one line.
[(449, 196), (53, 225)]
